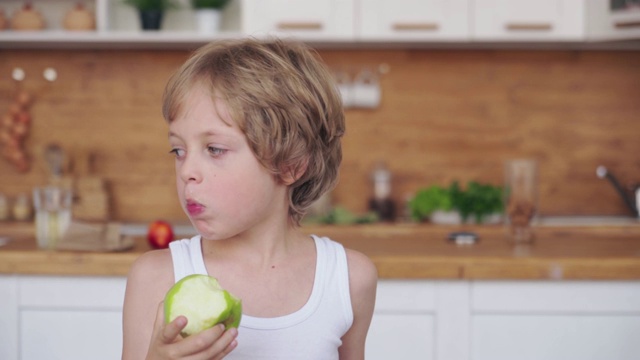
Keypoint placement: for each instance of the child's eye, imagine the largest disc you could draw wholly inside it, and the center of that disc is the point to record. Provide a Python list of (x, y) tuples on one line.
[(216, 151), (177, 152)]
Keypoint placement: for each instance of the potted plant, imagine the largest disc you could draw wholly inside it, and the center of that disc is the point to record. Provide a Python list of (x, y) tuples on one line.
[(208, 14), (434, 203), (151, 11), (479, 203)]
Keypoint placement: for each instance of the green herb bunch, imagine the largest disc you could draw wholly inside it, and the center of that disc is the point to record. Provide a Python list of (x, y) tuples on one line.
[(152, 4), (428, 200), (341, 216), (209, 4), (477, 200)]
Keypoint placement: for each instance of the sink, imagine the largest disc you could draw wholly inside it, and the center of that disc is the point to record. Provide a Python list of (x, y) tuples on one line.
[(587, 220)]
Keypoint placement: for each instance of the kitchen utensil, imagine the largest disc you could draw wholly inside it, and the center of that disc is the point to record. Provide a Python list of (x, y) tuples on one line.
[(54, 156)]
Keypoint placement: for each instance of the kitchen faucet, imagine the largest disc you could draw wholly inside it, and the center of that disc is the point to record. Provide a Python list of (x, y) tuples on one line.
[(631, 200)]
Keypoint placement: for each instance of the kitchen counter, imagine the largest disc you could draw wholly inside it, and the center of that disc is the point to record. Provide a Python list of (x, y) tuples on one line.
[(399, 251)]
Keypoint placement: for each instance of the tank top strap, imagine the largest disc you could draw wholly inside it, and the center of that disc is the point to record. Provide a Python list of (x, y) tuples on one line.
[(333, 257)]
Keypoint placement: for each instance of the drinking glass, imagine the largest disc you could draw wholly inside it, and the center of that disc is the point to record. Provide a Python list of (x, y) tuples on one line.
[(53, 214)]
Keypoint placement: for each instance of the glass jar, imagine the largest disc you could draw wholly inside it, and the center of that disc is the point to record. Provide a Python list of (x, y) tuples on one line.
[(22, 208), (4, 208)]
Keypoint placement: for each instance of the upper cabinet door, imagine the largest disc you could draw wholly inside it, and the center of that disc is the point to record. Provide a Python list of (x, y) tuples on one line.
[(613, 20), (529, 20), (303, 19), (431, 20)]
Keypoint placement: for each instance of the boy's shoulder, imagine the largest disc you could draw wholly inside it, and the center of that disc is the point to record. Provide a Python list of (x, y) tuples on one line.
[(153, 266), (153, 258), (363, 273)]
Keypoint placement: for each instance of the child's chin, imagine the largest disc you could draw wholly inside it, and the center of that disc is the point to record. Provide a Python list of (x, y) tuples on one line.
[(204, 229)]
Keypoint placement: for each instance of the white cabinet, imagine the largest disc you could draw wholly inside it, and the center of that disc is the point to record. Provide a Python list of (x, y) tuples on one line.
[(419, 319), (61, 317), (555, 337), (424, 20), (555, 320), (58, 317), (495, 320), (302, 19), (406, 305), (608, 22), (526, 20), (70, 334), (9, 318)]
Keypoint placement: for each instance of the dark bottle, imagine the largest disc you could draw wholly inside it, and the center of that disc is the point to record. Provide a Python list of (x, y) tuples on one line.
[(381, 202)]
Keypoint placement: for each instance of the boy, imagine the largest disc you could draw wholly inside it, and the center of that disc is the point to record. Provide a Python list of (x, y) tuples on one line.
[(255, 129)]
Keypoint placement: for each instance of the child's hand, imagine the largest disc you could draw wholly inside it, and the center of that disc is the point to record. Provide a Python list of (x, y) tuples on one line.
[(211, 344)]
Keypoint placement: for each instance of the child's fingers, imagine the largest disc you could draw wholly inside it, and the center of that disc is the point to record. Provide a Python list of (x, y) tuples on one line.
[(232, 333), (211, 341), (172, 330), (216, 343), (169, 333)]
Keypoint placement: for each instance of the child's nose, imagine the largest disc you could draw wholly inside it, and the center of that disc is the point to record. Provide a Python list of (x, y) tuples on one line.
[(189, 170)]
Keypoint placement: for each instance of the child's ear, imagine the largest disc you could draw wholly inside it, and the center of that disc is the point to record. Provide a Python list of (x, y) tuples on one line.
[(292, 173)]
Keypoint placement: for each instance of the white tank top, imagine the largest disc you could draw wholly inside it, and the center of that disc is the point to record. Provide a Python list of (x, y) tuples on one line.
[(312, 332)]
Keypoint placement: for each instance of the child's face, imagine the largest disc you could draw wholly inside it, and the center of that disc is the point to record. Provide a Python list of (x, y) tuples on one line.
[(221, 185)]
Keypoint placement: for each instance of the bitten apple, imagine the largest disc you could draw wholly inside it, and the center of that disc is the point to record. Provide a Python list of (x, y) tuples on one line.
[(160, 234), (204, 303)]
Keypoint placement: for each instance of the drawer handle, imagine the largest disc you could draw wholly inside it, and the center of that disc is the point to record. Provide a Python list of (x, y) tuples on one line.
[(528, 26), (299, 26), (627, 24), (415, 27)]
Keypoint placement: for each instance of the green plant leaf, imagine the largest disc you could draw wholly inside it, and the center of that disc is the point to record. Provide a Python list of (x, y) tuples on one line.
[(341, 216), (478, 200), (428, 200), (152, 4), (209, 4)]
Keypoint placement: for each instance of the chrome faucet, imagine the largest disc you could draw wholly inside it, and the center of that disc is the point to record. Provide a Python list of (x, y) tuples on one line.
[(631, 200)]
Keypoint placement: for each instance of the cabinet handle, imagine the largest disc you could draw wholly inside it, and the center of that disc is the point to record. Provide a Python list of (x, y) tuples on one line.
[(528, 26), (299, 26), (415, 26), (627, 24)]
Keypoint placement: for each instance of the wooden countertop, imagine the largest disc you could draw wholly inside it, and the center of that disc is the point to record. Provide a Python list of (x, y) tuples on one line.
[(399, 251)]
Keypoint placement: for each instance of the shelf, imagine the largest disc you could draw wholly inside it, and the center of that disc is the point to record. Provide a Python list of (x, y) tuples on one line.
[(181, 40), (58, 39)]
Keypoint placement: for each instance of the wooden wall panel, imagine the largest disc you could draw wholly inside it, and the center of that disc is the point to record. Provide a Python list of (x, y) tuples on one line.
[(445, 115)]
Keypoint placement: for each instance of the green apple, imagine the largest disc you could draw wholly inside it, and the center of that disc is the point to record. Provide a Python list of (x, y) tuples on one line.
[(204, 303)]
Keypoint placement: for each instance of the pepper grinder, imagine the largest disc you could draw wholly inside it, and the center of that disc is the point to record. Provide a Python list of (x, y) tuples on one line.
[(381, 202)]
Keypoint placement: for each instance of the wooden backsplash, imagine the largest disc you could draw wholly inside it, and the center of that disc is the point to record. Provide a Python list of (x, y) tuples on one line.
[(445, 115)]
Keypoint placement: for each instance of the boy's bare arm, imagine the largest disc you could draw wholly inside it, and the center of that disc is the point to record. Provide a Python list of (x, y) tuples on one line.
[(149, 278), (363, 279)]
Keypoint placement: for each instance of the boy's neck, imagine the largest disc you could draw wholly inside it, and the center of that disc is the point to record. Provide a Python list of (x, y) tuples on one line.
[(263, 248)]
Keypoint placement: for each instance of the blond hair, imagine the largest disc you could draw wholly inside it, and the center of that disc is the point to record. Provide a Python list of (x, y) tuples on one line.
[(283, 99)]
